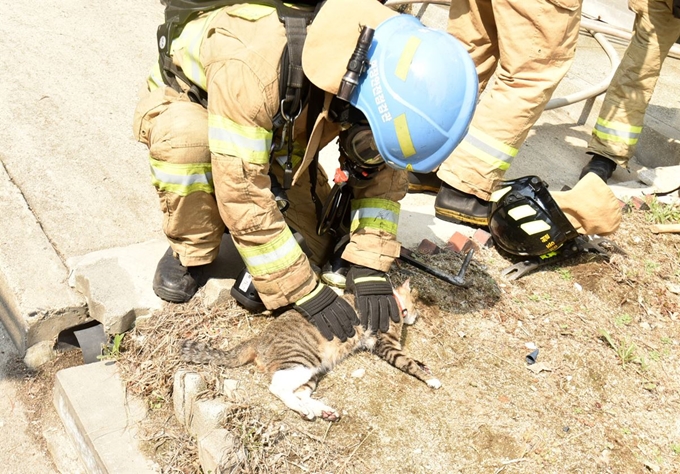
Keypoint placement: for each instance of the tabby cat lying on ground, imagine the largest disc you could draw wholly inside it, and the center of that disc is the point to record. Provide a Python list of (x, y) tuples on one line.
[(296, 355)]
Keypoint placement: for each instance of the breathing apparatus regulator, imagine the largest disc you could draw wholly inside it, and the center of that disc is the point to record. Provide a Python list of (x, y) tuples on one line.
[(360, 158), (356, 140)]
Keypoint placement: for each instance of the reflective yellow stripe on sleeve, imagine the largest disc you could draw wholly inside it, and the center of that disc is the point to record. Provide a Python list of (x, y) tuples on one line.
[(155, 79), (375, 213), (181, 179), (274, 256), (488, 149), (616, 132), (189, 43), (227, 137)]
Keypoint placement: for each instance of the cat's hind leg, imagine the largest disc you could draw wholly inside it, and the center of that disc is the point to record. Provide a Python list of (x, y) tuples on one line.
[(288, 384), (304, 393), (390, 350), (284, 384)]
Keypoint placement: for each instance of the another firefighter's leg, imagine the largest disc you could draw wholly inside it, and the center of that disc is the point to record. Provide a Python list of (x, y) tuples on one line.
[(537, 42), (181, 172), (473, 24), (621, 118)]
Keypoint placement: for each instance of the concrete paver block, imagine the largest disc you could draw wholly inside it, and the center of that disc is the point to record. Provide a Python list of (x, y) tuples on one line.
[(220, 451), (117, 283), (232, 390), (217, 292), (186, 386), (207, 415), (36, 303), (664, 179), (101, 418)]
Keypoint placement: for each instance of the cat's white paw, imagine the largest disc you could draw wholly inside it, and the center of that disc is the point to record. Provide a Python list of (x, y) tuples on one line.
[(434, 383), (322, 410), (331, 415)]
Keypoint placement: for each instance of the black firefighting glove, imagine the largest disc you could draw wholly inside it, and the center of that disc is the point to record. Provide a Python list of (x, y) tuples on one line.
[(332, 315), (374, 297)]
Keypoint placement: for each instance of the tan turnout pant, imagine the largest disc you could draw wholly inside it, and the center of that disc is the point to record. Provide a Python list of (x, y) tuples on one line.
[(176, 131), (621, 117), (529, 46)]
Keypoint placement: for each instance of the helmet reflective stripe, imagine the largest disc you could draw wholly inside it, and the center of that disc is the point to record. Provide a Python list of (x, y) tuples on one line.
[(404, 136), (274, 256), (404, 63), (616, 131), (488, 149), (534, 227), (227, 137), (499, 193), (521, 212), (374, 213), (182, 179), (186, 49)]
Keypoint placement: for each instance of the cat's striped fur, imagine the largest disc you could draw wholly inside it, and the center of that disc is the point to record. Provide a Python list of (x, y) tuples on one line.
[(296, 355)]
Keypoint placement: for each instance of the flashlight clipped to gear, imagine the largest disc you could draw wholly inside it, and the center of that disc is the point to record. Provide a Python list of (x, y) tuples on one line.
[(356, 65)]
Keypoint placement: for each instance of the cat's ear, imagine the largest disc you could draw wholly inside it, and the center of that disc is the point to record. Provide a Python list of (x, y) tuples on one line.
[(407, 284)]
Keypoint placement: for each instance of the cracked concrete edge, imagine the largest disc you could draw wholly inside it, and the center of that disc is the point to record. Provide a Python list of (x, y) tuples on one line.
[(36, 303), (116, 283)]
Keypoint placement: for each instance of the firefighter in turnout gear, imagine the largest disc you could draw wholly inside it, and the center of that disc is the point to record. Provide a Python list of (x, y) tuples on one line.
[(212, 166), (619, 124), (528, 47)]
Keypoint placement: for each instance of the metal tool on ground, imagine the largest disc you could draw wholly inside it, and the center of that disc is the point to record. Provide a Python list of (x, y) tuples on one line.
[(579, 245), (406, 256)]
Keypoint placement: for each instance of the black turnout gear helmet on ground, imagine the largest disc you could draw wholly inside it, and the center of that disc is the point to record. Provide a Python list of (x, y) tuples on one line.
[(524, 219)]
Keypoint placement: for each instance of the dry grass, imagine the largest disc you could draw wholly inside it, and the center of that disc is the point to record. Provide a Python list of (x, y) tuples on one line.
[(591, 403), (604, 395)]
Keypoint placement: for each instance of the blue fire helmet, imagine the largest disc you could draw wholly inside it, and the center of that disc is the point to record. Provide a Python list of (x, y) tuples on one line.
[(418, 93)]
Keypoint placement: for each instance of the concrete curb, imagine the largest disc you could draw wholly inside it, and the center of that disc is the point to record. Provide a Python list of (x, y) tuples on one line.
[(36, 303), (101, 419)]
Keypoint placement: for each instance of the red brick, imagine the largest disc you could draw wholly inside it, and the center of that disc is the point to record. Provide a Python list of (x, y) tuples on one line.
[(483, 238), (460, 243), (624, 206), (639, 204), (428, 247)]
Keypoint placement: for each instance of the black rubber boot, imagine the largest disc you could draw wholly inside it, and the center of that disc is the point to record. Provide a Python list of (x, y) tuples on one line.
[(423, 182), (173, 281), (245, 294), (456, 206), (601, 166)]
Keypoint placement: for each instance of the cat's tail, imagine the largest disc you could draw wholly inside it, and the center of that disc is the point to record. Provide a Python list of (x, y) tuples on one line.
[(202, 353)]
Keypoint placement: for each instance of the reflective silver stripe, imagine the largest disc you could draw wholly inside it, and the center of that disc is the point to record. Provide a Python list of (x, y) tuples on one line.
[(276, 255), (376, 213), (238, 140), (617, 133), (182, 180), (488, 149)]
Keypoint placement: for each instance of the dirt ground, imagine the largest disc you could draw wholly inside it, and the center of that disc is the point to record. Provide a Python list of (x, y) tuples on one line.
[(603, 395)]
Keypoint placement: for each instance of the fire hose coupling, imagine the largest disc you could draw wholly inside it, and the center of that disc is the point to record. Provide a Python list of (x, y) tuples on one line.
[(356, 64)]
